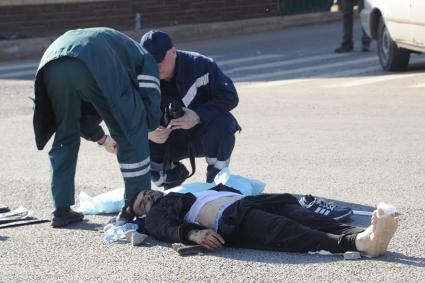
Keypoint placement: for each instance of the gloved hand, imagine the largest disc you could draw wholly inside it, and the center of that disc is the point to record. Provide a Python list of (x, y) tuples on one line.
[(108, 143)]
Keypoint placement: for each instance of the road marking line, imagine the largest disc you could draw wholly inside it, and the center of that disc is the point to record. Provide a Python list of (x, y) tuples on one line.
[(18, 66), (280, 83), (302, 70), (215, 56), (249, 59), (332, 75), (285, 63), (17, 74), (371, 80)]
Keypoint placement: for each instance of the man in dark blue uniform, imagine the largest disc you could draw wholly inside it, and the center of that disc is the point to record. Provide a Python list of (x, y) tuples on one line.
[(207, 128), (84, 77)]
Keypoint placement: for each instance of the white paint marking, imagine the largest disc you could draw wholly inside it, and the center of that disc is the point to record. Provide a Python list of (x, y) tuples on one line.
[(304, 69), (371, 80), (19, 66), (285, 63), (361, 212), (249, 59), (17, 74), (312, 79)]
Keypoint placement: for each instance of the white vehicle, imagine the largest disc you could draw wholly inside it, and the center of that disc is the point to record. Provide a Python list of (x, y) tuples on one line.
[(399, 28)]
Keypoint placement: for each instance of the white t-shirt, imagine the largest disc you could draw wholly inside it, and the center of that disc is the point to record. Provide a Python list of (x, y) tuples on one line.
[(203, 198)]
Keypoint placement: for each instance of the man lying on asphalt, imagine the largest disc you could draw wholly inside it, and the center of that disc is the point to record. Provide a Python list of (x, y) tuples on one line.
[(277, 222)]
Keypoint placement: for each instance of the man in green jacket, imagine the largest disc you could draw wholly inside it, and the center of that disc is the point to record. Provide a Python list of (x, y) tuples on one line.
[(84, 77)]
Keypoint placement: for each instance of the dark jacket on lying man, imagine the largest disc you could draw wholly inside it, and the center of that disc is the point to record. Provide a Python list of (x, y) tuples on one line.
[(266, 221)]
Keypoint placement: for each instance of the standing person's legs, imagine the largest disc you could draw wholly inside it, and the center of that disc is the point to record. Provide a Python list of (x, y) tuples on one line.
[(62, 79), (365, 38), (128, 126), (347, 26)]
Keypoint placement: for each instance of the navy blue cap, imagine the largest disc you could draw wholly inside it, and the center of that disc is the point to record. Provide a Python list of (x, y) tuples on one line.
[(157, 43)]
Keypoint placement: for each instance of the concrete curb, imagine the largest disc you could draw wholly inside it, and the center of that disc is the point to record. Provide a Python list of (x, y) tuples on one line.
[(33, 48)]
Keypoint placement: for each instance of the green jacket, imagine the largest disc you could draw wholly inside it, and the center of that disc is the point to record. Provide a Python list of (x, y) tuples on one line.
[(116, 62)]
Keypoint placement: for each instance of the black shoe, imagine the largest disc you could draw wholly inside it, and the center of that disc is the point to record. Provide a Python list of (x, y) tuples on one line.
[(366, 48), (65, 216), (172, 177), (211, 173), (344, 49), (123, 216)]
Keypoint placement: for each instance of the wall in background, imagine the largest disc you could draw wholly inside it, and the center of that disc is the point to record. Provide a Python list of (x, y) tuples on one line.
[(35, 18)]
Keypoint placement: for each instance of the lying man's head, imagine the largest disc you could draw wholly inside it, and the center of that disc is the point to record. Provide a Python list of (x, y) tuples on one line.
[(143, 201)]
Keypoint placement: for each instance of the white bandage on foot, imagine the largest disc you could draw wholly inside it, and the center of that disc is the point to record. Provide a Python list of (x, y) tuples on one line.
[(375, 239)]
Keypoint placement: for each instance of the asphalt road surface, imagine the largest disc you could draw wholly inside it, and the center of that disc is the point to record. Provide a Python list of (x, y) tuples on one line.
[(314, 122)]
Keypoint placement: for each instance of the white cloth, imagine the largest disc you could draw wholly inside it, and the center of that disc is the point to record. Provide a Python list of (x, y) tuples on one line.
[(203, 198)]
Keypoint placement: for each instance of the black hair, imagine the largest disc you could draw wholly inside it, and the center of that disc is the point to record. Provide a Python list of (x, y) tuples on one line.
[(130, 205)]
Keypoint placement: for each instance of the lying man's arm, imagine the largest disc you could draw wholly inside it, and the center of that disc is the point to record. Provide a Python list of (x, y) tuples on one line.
[(168, 225), (207, 238)]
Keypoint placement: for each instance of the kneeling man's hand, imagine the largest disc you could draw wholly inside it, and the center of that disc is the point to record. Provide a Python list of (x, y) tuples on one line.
[(189, 120), (207, 238)]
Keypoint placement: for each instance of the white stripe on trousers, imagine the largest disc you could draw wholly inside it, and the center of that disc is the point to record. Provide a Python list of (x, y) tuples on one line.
[(136, 173), (135, 165), (217, 163)]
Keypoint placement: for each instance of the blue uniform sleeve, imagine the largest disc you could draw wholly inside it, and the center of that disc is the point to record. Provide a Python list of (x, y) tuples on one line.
[(149, 88), (223, 93)]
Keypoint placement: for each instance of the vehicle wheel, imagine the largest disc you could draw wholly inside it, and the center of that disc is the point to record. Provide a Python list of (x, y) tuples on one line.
[(391, 57)]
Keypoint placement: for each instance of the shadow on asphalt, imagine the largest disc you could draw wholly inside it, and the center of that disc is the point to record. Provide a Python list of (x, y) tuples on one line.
[(3, 238), (84, 225), (298, 258), (403, 259)]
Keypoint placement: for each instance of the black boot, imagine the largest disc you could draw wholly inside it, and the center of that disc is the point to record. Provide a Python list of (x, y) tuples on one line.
[(366, 48), (175, 176), (123, 216), (211, 173), (344, 49), (64, 216)]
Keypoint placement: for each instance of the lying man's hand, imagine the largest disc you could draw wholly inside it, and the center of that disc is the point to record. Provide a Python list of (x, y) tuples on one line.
[(207, 238), (189, 120), (160, 135)]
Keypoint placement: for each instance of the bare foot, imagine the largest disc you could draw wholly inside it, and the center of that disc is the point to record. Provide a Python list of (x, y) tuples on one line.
[(375, 239)]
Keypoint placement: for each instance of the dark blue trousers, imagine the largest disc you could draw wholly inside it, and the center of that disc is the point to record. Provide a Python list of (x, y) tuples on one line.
[(214, 141)]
